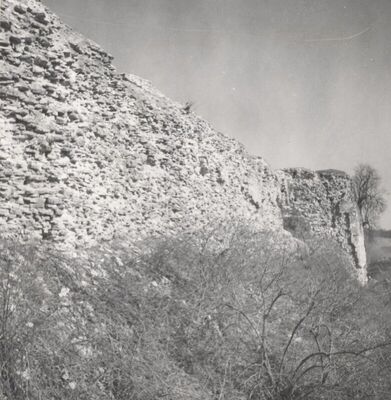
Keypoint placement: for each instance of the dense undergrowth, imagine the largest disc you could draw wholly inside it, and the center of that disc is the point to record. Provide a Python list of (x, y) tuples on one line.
[(225, 314)]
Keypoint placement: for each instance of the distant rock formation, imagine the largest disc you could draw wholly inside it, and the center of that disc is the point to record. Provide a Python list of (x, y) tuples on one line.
[(87, 154)]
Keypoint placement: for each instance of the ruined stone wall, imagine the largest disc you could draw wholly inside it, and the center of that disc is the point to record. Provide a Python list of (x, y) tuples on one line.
[(322, 202), (87, 154)]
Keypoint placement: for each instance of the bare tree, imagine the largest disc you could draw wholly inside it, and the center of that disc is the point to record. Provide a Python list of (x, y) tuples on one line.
[(368, 194)]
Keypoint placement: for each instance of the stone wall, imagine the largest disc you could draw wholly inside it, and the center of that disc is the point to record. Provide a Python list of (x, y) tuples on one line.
[(87, 154), (322, 203)]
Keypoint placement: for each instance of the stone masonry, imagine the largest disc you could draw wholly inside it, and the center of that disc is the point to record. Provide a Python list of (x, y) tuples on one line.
[(90, 155), (323, 202)]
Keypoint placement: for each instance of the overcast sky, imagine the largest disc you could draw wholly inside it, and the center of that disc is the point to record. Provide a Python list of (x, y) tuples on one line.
[(299, 82)]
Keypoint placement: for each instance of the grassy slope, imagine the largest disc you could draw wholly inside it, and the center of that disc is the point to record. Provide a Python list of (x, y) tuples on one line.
[(379, 252)]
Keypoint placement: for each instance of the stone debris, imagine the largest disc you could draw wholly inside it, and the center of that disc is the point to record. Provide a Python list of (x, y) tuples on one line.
[(87, 154)]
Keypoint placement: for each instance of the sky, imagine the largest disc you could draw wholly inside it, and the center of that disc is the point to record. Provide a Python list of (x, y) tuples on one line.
[(302, 83)]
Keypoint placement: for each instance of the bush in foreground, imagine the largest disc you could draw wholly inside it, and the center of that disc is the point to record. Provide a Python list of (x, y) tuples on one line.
[(226, 314)]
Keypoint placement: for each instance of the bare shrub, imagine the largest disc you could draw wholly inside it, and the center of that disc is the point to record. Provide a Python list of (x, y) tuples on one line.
[(228, 313), (263, 322)]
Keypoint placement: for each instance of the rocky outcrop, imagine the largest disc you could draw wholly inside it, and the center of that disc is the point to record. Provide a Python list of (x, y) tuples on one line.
[(87, 154)]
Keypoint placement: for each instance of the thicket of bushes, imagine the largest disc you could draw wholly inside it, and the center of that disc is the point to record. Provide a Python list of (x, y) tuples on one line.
[(226, 314)]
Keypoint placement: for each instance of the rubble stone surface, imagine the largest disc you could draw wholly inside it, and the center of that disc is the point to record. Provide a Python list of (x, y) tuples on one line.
[(90, 155), (322, 203)]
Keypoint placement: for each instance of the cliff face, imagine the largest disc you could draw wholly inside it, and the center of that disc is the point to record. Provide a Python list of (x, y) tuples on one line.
[(87, 154)]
